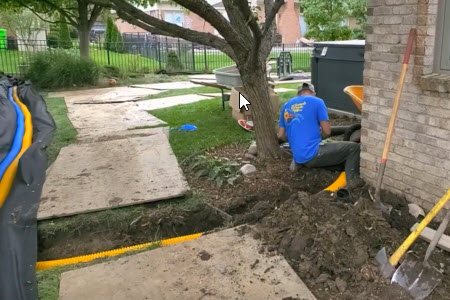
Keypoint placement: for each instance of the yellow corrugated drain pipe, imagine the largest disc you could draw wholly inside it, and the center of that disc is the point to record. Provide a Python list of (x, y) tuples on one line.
[(43, 265)]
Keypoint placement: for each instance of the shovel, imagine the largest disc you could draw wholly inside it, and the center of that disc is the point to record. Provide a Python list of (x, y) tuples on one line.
[(387, 264), (385, 208), (420, 278)]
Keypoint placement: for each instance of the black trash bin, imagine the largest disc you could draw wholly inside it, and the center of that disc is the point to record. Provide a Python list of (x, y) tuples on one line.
[(335, 65)]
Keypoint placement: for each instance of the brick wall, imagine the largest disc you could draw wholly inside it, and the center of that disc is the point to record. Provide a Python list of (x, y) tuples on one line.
[(199, 24), (288, 24), (419, 160)]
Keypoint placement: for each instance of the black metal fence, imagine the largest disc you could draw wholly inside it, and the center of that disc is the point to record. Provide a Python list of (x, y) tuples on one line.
[(140, 53)]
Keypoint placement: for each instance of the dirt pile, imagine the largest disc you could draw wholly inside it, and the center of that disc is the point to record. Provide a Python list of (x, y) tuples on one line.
[(332, 245)]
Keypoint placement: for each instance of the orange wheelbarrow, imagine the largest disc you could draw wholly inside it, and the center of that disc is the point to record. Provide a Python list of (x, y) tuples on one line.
[(355, 93)]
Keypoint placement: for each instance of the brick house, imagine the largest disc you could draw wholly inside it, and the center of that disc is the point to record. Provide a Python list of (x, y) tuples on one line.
[(419, 160), (288, 19)]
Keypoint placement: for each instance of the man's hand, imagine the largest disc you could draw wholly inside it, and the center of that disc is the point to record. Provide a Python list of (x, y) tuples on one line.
[(326, 129)]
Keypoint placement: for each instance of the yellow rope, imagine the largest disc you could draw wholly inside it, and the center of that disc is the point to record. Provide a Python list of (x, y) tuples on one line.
[(44, 265)]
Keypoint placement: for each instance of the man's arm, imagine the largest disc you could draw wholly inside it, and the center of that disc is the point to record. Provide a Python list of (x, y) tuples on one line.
[(322, 116), (282, 134), (282, 126), (326, 129)]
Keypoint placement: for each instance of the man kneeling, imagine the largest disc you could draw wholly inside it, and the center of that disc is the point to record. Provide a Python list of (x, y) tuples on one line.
[(304, 123)]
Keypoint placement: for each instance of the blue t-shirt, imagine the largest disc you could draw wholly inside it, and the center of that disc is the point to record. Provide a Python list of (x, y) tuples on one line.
[(301, 118)]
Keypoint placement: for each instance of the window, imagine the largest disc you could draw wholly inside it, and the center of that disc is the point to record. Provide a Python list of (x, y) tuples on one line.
[(174, 18), (442, 63)]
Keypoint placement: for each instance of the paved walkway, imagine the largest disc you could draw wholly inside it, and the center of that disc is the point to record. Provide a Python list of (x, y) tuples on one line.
[(103, 112), (113, 164)]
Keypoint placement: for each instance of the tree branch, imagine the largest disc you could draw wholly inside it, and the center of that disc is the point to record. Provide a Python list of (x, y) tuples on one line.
[(269, 26), (270, 17), (45, 20), (95, 13), (249, 17), (62, 11), (215, 18), (136, 17), (236, 19)]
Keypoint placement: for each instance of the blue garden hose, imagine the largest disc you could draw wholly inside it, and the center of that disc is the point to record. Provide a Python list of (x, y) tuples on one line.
[(17, 142)]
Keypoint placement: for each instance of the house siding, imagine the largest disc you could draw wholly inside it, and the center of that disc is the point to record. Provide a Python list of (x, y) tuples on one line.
[(419, 159)]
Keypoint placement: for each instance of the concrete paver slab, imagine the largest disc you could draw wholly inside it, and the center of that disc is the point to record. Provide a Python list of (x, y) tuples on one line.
[(167, 85), (106, 95), (137, 132), (283, 90), (211, 77), (212, 94), (169, 101), (96, 176), (221, 265), (92, 120)]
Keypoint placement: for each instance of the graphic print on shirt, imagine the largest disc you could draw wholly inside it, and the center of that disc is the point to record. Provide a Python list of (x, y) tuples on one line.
[(292, 112)]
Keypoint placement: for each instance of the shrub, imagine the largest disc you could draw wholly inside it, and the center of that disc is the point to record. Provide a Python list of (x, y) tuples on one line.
[(57, 69), (52, 36), (65, 41), (113, 37), (112, 72), (173, 62)]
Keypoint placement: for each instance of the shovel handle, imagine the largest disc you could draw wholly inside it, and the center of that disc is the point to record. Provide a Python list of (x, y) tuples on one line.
[(394, 259), (437, 236), (390, 130)]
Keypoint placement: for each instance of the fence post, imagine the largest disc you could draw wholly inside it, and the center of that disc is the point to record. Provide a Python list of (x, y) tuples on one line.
[(159, 55), (283, 47), (204, 54), (193, 57)]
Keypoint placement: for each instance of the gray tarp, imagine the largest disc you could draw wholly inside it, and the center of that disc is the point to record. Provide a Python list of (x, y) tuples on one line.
[(18, 232), (7, 116)]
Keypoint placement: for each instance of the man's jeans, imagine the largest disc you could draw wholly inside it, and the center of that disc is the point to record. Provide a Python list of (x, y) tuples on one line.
[(336, 153)]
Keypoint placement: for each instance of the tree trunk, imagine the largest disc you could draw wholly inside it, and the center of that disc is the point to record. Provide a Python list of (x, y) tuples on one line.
[(84, 41), (254, 79), (84, 29)]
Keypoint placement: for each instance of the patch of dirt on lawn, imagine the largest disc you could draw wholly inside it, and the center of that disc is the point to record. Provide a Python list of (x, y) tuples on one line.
[(271, 185), (332, 247)]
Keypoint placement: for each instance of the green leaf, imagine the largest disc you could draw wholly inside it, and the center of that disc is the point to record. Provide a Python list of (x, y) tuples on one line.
[(194, 165), (219, 181), (213, 173), (202, 172), (231, 180)]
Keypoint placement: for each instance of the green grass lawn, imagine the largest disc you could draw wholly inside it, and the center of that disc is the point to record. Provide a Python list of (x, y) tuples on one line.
[(215, 127), (10, 61), (127, 62), (65, 134)]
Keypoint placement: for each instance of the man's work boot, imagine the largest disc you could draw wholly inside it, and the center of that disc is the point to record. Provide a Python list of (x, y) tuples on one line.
[(355, 184), (293, 167)]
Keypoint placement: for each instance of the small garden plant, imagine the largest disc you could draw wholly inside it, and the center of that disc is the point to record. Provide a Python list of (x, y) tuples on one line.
[(215, 169)]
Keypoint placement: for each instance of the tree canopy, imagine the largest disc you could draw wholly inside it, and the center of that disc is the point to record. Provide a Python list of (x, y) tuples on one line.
[(326, 18)]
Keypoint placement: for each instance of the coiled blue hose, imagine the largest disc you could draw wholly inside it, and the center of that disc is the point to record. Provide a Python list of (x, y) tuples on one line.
[(17, 142)]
